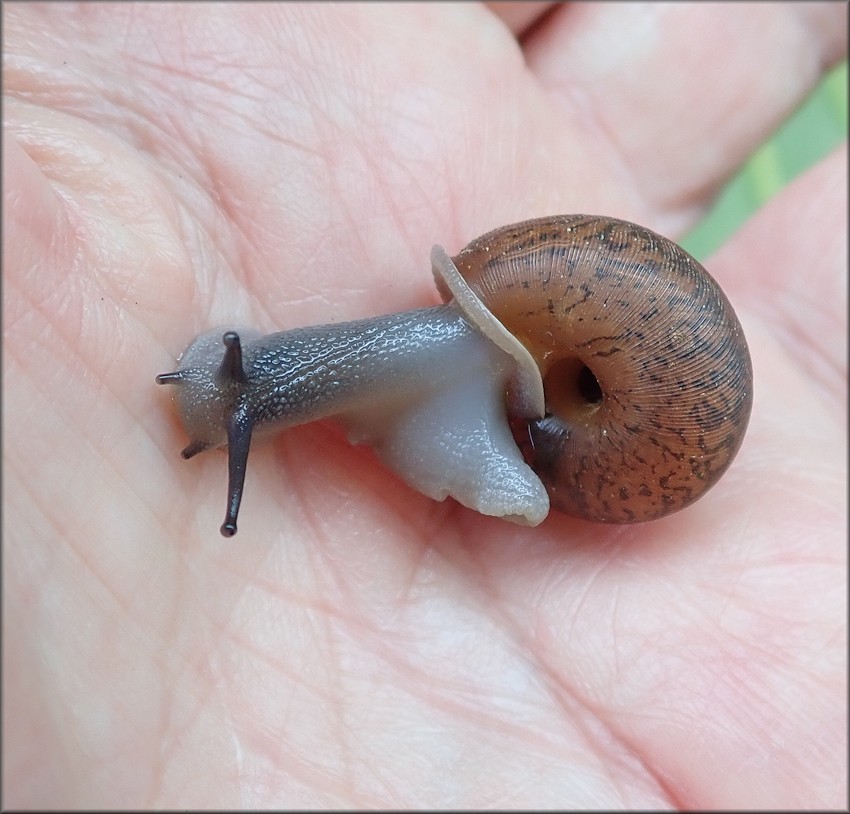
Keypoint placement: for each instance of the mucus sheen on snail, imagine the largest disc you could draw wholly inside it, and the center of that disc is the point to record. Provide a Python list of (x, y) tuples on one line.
[(581, 362)]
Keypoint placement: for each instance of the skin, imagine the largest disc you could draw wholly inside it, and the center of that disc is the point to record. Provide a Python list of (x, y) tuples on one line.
[(167, 170)]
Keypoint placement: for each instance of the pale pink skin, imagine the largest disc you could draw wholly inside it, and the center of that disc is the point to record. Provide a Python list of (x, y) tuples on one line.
[(168, 169)]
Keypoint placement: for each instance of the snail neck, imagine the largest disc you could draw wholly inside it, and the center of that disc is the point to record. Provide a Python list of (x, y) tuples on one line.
[(336, 370), (424, 388)]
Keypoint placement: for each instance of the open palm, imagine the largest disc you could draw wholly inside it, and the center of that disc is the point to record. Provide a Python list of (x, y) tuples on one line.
[(172, 169)]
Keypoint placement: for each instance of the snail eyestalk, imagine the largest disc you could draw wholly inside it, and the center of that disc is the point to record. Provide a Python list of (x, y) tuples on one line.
[(231, 370), (239, 430)]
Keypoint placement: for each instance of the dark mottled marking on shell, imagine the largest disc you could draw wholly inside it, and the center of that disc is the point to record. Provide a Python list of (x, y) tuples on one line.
[(658, 335)]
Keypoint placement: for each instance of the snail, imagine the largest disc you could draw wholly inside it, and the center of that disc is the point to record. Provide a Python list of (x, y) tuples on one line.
[(579, 361)]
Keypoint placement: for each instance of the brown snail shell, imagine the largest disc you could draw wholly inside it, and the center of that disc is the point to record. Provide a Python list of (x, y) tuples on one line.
[(646, 373)]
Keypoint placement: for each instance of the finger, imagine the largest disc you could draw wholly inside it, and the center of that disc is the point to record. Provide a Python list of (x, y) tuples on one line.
[(789, 265), (520, 16), (682, 93), (786, 273)]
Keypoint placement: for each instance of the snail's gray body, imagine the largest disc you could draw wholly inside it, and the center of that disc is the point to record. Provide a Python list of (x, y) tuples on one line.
[(432, 389), (421, 387)]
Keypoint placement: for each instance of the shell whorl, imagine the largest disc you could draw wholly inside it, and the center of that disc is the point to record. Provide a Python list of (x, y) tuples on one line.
[(647, 375)]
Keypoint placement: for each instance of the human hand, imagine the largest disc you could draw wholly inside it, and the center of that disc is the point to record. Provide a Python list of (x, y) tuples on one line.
[(172, 168)]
